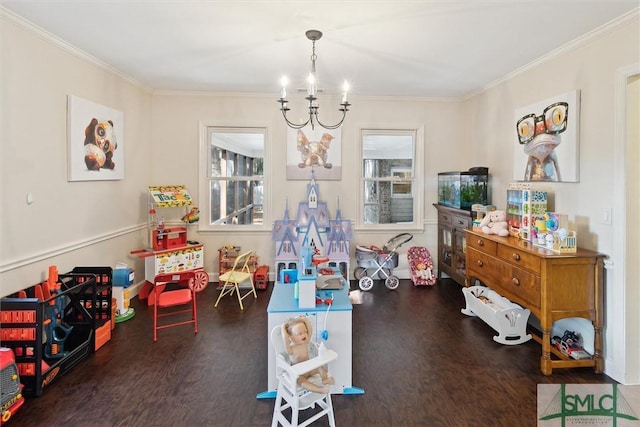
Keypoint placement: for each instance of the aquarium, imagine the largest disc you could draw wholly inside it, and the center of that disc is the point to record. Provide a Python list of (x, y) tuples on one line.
[(463, 189)]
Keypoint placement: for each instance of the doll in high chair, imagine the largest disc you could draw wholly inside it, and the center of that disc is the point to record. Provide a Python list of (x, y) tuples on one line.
[(297, 333)]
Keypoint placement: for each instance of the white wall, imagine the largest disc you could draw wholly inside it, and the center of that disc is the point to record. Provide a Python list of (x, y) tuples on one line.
[(176, 118), (632, 231), (69, 223), (589, 66)]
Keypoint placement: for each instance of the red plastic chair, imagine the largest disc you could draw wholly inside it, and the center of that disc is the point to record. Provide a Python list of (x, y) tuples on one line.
[(195, 282)]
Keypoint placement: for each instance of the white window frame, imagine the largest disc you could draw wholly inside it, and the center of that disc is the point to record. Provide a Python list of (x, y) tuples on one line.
[(204, 179), (397, 179), (417, 185)]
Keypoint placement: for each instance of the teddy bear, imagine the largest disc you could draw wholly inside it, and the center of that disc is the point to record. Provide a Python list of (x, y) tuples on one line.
[(495, 222)]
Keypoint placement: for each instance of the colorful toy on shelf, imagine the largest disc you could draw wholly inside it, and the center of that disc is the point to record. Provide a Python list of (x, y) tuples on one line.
[(565, 241), (555, 221), (569, 345), (479, 212), (552, 232), (525, 207)]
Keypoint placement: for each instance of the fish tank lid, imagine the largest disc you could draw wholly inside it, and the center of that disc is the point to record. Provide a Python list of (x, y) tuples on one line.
[(476, 170)]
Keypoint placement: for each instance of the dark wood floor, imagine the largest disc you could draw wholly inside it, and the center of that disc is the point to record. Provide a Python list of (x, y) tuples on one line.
[(420, 361)]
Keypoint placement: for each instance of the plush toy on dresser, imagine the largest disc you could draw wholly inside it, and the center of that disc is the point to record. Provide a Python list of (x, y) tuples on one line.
[(495, 222)]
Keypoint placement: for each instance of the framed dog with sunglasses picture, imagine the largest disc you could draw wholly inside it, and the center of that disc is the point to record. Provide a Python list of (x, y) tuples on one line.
[(546, 136)]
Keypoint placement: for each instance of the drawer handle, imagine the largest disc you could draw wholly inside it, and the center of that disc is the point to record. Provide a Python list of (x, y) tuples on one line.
[(516, 257), (445, 217), (515, 281), (480, 263), (480, 242), (460, 222)]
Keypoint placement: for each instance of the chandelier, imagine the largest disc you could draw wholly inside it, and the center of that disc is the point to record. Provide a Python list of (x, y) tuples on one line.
[(312, 90)]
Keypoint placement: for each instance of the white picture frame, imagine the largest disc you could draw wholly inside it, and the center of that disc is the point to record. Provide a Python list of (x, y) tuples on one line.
[(86, 120)]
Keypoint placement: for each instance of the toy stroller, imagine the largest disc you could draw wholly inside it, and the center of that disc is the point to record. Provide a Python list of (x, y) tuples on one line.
[(375, 261)]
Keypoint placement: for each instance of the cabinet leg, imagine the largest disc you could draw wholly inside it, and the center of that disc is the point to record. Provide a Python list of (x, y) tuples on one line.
[(597, 354), (545, 360)]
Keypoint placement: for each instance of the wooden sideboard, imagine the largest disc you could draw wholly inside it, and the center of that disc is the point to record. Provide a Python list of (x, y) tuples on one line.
[(552, 285), (451, 241)]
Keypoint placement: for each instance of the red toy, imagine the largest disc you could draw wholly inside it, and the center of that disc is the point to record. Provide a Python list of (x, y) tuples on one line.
[(569, 345), (12, 398), (261, 277)]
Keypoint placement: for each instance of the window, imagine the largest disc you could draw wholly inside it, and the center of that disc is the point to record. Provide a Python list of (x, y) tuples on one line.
[(390, 194), (232, 177), (402, 183)]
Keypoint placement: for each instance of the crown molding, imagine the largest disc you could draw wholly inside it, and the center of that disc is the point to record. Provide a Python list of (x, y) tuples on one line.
[(564, 49), (56, 41)]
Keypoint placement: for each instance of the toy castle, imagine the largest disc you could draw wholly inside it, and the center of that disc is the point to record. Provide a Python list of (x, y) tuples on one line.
[(329, 238)]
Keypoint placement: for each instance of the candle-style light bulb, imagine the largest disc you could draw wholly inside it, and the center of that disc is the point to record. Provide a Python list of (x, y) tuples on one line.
[(312, 84), (284, 81), (345, 89)]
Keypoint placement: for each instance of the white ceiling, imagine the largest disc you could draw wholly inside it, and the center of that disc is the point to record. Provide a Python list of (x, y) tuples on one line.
[(413, 48)]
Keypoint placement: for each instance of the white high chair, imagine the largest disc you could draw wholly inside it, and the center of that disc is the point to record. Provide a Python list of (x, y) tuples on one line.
[(290, 394)]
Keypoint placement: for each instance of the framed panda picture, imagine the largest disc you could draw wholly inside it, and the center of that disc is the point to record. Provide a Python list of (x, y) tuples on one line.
[(95, 141)]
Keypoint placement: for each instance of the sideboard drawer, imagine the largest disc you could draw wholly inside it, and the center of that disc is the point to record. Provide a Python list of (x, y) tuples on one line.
[(460, 221), (483, 245), (523, 284), (519, 258), (486, 268), (444, 218)]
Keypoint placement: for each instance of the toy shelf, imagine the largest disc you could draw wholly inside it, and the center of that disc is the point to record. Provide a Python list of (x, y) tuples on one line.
[(505, 317), (227, 256), (83, 311)]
